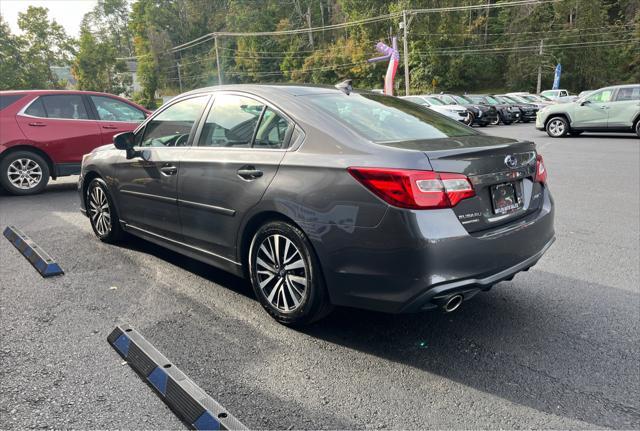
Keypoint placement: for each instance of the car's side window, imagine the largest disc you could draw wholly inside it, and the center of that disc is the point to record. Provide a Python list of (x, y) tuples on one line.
[(628, 93), (172, 126), (67, 106), (64, 106), (231, 122), (36, 109), (273, 131), (110, 109), (600, 96)]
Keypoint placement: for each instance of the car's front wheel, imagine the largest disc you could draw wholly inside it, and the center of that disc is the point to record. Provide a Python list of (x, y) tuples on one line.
[(286, 276), (557, 127), (102, 213), (24, 173), (638, 128)]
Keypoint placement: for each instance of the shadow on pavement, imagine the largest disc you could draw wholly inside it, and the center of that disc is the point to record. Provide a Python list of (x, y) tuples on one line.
[(558, 346), (555, 344)]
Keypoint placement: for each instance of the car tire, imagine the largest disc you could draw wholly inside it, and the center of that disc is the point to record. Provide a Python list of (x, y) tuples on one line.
[(470, 119), (102, 214), (638, 128), (286, 275), (24, 173), (496, 121), (557, 127)]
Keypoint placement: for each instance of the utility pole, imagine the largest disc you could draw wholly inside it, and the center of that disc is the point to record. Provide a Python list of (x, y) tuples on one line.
[(309, 25), (215, 41), (179, 76), (405, 49), (539, 86)]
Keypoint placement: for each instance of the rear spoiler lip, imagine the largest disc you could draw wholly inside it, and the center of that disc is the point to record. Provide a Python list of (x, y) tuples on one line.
[(506, 147)]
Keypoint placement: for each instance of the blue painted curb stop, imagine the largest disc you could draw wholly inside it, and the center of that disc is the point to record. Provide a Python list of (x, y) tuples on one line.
[(40, 260), (179, 392)]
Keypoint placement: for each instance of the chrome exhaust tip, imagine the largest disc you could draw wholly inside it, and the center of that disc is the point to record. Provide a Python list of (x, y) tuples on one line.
[(453, 303)]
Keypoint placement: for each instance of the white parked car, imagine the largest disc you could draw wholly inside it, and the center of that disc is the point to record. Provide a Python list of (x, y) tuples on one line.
[(555, 94), (456, 112)]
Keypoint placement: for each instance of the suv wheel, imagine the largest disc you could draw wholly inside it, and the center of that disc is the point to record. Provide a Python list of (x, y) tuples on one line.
[(286, 276), (638, 128), (557, 127), (102, 213), (24, 173)]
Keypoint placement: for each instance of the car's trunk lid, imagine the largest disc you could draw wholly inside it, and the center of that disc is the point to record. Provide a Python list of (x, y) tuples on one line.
[(502, 172)]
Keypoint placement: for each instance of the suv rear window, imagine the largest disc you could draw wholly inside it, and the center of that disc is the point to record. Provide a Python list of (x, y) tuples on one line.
[(380, 118), (8, 100)]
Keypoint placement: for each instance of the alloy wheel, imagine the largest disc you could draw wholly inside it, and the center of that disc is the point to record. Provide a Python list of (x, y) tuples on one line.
[(282, 273), (24, 174), (99, 211), (556, 127)]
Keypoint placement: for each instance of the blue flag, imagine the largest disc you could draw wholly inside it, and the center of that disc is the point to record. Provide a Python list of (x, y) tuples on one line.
[(556, 78)]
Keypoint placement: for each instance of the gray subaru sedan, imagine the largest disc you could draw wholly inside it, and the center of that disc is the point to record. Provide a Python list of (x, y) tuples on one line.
[(324, 196)]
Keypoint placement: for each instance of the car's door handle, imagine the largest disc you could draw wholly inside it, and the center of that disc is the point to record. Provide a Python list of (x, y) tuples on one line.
[(249, 172), (169, 170), (37, 124), (110, 127)]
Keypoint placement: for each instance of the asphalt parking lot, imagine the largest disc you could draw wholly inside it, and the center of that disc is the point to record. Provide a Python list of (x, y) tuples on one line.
[(557, 347)]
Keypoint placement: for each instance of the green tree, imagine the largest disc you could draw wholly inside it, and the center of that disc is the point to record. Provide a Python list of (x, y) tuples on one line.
[(96, 68), (44, 44), (11, 61)]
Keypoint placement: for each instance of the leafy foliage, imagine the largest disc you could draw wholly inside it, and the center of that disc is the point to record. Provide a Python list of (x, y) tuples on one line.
[(466, 50), (27, 59)]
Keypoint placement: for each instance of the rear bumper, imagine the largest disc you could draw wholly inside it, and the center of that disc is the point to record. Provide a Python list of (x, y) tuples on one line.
[(412, 258), (433, 297)]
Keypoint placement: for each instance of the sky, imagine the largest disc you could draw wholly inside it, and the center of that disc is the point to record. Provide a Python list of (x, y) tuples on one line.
[(67, 13)]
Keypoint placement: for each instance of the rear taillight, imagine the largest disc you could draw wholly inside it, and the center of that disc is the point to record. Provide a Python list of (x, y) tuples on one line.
[(415, 189), (541, 171)]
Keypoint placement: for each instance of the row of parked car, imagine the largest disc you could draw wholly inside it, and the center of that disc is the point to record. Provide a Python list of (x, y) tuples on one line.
[(609, 109), (481, 109), (44, 134)]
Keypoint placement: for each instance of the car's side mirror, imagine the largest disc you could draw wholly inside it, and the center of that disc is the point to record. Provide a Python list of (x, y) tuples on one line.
[(584, 102), (124, 141)]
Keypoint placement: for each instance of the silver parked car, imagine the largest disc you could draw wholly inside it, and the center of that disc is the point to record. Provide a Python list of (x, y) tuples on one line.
[(323, 196)]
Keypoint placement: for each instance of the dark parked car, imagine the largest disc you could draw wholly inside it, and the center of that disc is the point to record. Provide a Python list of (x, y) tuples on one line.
[(528, 111), (507, 113), (45, 133), (325, 197), (483, 115)]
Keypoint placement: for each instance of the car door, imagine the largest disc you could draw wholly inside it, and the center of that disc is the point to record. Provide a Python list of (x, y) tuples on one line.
[(593, 112), (114, 116), (625, 107), (239, 149), (61, 126), (147, 184)]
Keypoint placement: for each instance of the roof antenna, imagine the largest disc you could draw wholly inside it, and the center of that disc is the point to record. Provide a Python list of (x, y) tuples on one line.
[(345, 86)]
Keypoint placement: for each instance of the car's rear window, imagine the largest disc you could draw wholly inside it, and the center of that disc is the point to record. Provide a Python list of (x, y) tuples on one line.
[(8, 99), (388, 119)]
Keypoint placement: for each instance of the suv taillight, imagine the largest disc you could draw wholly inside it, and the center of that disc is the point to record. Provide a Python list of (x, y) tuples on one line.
[(541, 171), (413, 189)]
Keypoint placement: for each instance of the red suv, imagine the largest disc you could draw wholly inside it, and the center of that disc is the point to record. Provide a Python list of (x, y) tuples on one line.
[(45, 133)]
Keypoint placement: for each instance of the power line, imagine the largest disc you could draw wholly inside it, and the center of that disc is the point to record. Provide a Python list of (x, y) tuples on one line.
[(206, 37)]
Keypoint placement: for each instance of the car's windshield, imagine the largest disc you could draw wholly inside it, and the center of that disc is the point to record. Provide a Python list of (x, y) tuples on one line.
[(477, 99), (434, 101), (388, 119), (491, 100), (462, 100), (448, 100), (504, 99), (519, 99)]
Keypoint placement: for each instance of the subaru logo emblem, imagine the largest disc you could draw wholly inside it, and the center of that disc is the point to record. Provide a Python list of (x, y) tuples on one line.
[(511, 161)]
